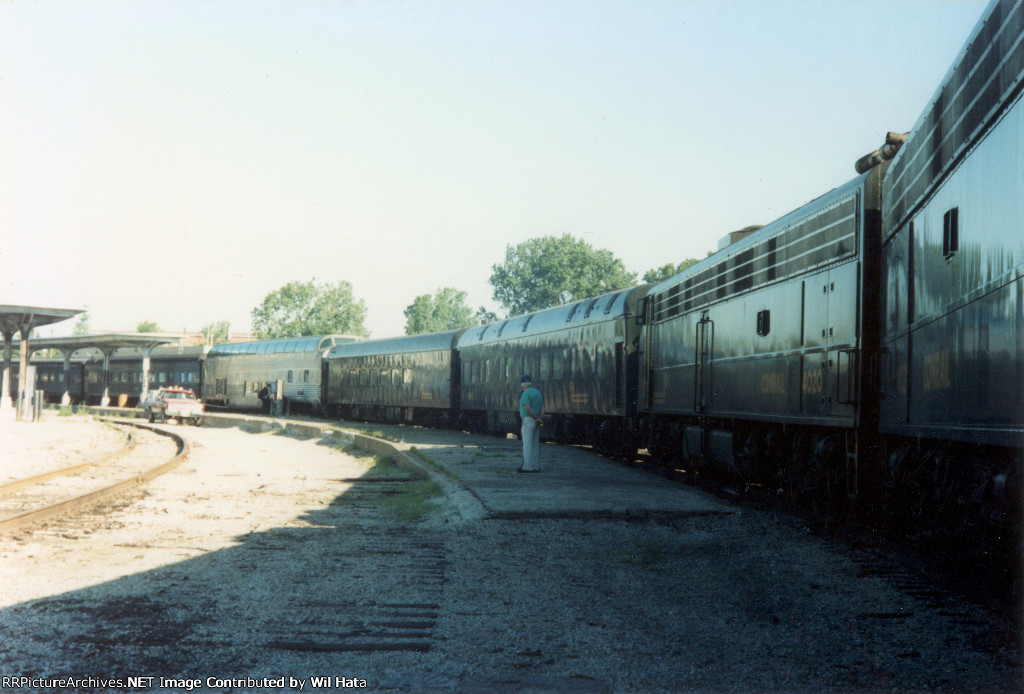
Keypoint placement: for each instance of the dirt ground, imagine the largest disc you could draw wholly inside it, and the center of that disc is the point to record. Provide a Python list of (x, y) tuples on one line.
[(269, 563)]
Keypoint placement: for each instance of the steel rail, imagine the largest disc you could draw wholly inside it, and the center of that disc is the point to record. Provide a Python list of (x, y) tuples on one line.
[(26, 518), (10, 487)]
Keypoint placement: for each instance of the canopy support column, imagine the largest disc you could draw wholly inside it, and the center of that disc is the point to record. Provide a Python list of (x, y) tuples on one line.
[(5, 393), (105, 400), (24, 349), (66, 398), (146, 351)]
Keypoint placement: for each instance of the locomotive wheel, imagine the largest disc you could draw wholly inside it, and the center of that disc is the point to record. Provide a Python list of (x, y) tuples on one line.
[(824, 485), (665, 444)]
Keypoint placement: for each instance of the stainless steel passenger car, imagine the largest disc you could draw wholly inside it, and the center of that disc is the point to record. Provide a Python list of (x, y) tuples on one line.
[(583, 357), (753, 355), (952, 332), (234, 374), (414, 378)]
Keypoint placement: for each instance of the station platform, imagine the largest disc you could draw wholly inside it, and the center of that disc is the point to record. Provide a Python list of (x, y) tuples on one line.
[(574, 482), (479, 473)]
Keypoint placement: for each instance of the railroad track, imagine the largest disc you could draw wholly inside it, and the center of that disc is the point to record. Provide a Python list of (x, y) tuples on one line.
[(56, 493)]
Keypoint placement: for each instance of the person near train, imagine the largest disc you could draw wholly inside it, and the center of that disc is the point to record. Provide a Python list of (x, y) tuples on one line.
[(531, 407)]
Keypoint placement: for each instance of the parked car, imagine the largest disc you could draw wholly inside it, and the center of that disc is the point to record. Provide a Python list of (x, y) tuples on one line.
[(174, 403)]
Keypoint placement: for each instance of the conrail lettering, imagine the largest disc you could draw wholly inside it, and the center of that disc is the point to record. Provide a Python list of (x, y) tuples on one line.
[(936, 370), (773, 383)]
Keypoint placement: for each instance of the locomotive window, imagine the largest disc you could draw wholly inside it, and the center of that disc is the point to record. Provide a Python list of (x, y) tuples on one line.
[(364, 377), (764, 322), (305, 376), (556, 365), (407, 376), (60, 377), (374, 377), (950, 233), (396, 377), (290, 374), (163, 376), (352, 377)]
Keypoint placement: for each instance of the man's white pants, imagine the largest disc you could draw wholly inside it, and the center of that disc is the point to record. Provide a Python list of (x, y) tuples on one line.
[(531, 445)]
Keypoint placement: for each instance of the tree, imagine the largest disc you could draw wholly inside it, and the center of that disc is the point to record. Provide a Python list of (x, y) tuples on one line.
[(662, 273), (548, 271), (82, 323), (147, 326), (445, 310), (306, 308), (483, 316), (216, 333)]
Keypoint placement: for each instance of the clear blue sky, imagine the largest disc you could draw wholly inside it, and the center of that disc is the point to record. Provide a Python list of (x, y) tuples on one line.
[(174, 161)]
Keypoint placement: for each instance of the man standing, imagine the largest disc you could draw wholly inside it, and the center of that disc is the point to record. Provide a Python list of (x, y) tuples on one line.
[(531, 407)]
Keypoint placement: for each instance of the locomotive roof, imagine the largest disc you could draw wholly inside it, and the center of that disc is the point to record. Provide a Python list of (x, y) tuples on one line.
[(984, 79), (767, 231), (610, 306), (425, 342), (282, 345)]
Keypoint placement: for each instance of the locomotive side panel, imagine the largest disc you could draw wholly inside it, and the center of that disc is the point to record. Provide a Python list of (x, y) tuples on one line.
[(965, 259)]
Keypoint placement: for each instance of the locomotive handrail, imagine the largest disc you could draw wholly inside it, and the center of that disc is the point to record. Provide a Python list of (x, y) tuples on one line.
[(853, 355)]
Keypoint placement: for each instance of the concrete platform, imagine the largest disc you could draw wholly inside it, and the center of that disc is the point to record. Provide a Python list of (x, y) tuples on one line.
[(574, 482), (479, 472)]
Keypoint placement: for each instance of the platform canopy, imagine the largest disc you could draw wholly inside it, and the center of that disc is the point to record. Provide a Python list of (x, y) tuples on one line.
[(14, 318), (106, 342)]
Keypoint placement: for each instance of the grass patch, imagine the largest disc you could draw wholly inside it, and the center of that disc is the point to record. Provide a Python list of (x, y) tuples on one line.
[(415, 501)]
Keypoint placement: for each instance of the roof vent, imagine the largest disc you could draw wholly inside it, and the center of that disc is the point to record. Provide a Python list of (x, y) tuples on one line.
[(736, 236)]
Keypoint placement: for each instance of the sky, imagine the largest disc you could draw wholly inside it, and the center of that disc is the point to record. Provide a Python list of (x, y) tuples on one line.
[(176, 161)]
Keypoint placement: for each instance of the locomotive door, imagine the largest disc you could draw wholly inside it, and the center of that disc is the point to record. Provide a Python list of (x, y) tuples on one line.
[(703, 348)]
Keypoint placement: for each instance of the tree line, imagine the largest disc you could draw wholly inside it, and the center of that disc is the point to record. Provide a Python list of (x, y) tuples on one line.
[(537, 274)]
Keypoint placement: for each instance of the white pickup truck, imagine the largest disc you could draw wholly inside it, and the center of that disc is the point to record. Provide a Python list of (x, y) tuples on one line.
[(174, 403)]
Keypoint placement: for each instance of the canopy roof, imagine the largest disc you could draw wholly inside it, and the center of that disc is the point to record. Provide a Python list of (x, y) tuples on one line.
[(107, 342), (13, 317)]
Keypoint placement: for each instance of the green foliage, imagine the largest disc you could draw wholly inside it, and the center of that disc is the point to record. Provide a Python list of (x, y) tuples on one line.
[(216, 333), (445, 310), (147, 326), (483, 316), (82, 323), (306, 308), (662, 273), (549, 271)]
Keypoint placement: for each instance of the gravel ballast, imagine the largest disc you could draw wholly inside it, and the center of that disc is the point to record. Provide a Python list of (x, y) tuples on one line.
[(265, 557)]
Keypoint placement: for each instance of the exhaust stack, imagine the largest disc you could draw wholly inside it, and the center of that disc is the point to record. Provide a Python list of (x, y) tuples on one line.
[(893, 142)]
